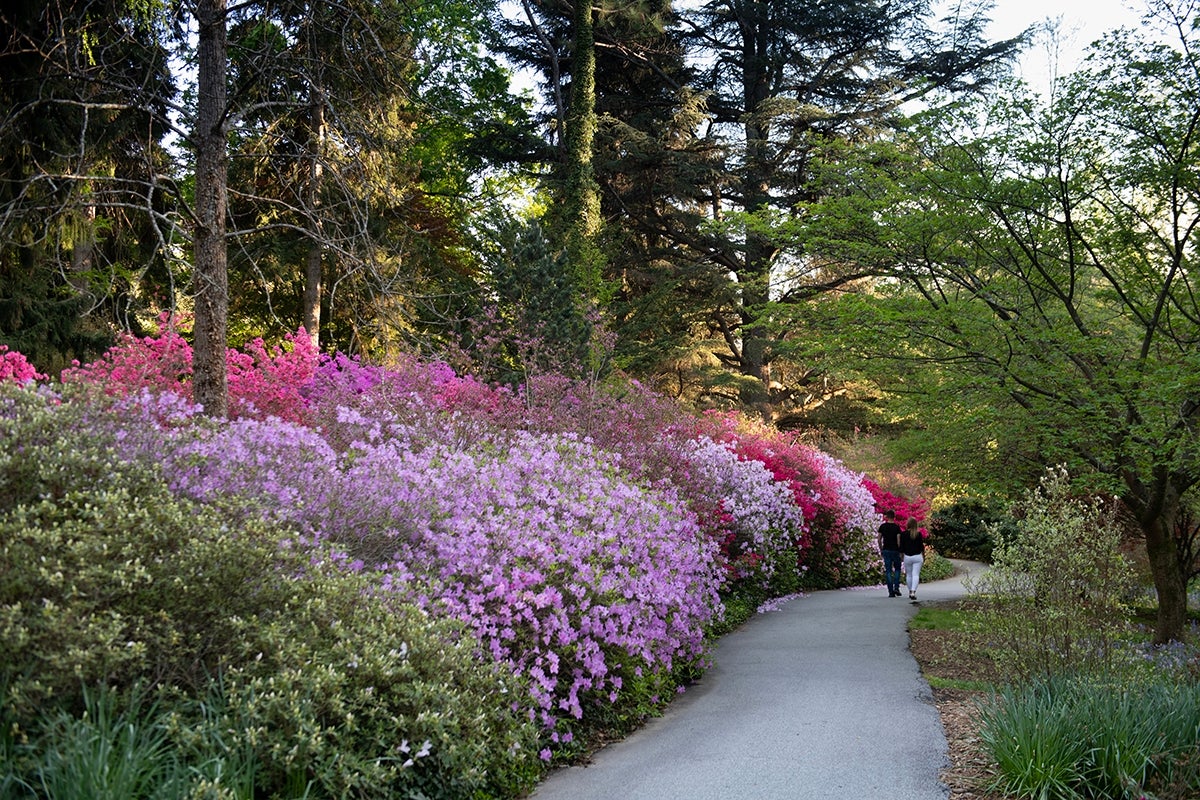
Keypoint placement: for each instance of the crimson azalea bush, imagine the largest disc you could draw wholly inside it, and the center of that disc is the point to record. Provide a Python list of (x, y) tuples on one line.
[(903, 507), (262, 381)]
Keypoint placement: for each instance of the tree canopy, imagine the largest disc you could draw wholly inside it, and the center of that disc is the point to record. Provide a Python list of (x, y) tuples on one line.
[(1036, 267)]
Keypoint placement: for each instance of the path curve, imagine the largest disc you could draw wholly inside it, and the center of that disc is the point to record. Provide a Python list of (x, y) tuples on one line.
[(819, 700)]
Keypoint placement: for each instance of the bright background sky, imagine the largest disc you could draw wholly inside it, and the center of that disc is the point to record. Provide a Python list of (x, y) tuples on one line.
[(1083, 22)]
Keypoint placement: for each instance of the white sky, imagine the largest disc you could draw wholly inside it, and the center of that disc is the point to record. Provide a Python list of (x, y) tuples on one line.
[(1082, 22)]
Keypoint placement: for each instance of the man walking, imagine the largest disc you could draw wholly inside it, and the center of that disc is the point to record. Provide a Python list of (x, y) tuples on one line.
[(889, 548)]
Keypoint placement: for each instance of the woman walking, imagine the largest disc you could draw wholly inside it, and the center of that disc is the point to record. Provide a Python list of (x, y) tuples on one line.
[(912, 544)]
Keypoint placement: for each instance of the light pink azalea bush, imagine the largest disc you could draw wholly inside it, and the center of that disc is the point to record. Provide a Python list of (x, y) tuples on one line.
[(851, 545), (762, 522), (566, 570)]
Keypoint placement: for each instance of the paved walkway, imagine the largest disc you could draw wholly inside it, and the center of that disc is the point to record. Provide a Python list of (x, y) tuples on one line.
[(819, 700)]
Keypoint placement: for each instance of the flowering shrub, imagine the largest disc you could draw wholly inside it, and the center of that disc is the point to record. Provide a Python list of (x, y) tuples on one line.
[(162, 363), (565, 570), (271, 381), (757, 521), (568, 573), (851, 547), (903, 507), (262, 381), (15, 367), (838, 548), (581, 531)]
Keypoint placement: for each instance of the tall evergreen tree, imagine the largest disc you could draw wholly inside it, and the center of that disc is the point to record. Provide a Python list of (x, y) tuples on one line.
[(783, 79), (83, 211)]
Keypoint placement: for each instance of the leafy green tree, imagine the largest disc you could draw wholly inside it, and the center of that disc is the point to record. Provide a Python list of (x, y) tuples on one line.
[(1052, 601), (1040, 298), (354, 158)]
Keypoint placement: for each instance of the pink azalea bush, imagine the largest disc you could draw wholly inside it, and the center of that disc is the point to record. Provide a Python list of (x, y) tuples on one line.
[(15, 367), (851, 546)]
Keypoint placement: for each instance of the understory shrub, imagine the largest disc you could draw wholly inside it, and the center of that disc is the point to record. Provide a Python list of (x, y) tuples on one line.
[(1052, 601), (970, 528), (935, 567)]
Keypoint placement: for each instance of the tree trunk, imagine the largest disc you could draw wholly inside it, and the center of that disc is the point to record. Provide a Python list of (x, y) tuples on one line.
[(316, 252), (1168, 581), (754, 278), (1156, 513), (582, 204), (210, 382)]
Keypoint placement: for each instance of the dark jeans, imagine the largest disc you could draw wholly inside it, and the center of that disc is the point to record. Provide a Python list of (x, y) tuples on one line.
[(892, 559)]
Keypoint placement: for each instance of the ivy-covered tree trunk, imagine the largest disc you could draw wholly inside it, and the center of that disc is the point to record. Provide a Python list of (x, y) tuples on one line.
[(210, 384), (582, 202)]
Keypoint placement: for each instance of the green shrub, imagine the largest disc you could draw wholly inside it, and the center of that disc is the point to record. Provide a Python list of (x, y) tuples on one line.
[(361, 697), (936, 567), (324, 689), (970, 528), (1053, 598)]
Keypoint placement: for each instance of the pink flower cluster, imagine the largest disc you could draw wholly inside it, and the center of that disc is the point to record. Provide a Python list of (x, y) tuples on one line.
[(262, 381), (15, 367)]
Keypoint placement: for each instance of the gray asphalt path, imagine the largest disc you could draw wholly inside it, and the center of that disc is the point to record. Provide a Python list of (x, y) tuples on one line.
[(820, 699)]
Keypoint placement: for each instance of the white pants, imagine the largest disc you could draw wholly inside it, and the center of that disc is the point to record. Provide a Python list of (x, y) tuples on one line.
[(912, 569)]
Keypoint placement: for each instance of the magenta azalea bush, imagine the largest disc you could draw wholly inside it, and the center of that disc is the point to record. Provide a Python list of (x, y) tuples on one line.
[(15, 367), (585, 534)]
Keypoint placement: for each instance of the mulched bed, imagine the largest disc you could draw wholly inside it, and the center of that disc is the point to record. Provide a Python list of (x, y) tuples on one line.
[(970, 769)]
